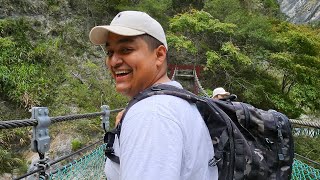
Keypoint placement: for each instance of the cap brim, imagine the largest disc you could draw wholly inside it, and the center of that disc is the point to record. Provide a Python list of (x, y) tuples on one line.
[(98, 35), (225, 93)]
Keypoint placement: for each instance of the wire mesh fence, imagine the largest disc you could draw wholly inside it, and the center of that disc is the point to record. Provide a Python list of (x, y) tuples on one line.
[(86, 168), (302, 171), (92, 165)]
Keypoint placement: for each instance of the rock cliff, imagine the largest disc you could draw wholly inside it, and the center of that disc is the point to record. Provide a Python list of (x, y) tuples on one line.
[(301, 11)]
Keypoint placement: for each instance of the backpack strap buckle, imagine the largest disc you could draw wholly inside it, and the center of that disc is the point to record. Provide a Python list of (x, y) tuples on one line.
[(109, 150), (109, 140), (214, 161)]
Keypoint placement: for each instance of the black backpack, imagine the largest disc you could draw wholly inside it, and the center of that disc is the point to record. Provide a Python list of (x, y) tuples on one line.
[(249, 143)]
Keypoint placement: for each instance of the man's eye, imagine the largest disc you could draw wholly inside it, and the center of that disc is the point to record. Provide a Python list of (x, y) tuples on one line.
[(109, 53), (126, 50)]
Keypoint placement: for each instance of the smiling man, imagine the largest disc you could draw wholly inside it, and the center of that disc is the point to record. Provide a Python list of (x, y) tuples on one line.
[(162, 136)]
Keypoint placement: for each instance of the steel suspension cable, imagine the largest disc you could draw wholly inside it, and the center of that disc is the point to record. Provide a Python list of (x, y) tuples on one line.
[(74, 117), (307, 159), (17, 123), (305, 123), (174, 73), (29, 173), (199, 84), (33, 122)]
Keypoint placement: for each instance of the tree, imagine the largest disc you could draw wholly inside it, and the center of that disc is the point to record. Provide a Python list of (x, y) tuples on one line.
[(271, 65)]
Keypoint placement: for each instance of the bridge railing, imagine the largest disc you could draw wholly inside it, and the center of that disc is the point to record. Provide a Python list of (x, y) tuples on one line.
[(40, 142), (91, 165)]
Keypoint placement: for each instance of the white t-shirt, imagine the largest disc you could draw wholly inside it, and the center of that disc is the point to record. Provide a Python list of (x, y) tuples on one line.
[(163, 137)]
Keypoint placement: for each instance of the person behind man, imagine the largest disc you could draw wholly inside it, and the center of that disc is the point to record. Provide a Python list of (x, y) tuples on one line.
[(162, 136), (220, 93)]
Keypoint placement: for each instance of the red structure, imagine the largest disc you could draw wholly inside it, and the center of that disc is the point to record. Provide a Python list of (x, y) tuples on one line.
[(197, 68)]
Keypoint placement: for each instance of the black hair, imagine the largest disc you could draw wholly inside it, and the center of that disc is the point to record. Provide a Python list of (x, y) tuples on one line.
[(152, 42)]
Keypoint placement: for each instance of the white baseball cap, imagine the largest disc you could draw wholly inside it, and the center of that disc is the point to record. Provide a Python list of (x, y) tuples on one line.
[(129, 23), (219, 91)]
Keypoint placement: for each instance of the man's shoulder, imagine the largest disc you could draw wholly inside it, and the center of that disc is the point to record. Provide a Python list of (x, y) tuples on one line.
[(168, 106), (163, 99), (157, 103), (163, 105)]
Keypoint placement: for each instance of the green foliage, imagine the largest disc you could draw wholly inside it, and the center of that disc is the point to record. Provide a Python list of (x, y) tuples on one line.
[(10, 141), (9, 162), (308, 147), (87, 88), (180, 43), (76, 144), (271, 5), (199, 22), (194, 31), (28, 72), (223, 9), (229, 58), (101, 11), (298, 39), (156, 8), (297, 62), (306, 98), (213, 58), (285, 104), (234, 53), (184, 5), (263, 60)]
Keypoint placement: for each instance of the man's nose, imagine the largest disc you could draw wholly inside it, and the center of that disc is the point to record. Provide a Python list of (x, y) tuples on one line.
[(115, 60)]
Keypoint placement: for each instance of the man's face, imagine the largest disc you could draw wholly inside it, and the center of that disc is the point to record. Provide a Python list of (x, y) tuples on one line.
[(132, 64), (221, 96)]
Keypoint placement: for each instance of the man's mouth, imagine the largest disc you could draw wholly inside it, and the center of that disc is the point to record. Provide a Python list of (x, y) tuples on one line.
[(122, 73)]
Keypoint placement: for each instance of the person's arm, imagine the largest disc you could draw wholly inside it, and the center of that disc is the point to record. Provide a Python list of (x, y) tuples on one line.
[(118, 118), (150, 148)]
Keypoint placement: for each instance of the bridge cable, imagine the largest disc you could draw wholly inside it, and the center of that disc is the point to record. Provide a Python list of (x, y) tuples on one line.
[(174, 73), (32, 122), (305, 123), (305, 158), (199, 84)]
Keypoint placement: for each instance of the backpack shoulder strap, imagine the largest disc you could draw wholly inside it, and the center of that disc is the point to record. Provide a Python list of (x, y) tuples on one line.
[(159, 89), (109, 140), (165, 89)]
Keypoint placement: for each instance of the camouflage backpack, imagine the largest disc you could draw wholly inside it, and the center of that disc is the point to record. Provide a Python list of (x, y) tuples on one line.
[(249, 143)]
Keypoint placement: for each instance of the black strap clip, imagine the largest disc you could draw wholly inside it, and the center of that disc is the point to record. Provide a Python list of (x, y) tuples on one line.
[(214, 161)]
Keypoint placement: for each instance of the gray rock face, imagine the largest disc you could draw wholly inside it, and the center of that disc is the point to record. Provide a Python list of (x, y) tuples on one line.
[(301, 11)]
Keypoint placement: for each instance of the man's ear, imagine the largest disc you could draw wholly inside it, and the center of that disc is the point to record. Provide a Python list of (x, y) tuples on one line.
[(161, 53)]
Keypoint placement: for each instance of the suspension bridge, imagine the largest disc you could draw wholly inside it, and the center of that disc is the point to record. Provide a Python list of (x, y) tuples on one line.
[(91, 165)]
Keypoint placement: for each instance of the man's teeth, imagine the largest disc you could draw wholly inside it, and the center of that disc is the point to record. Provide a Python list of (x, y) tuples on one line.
[(121, 72)]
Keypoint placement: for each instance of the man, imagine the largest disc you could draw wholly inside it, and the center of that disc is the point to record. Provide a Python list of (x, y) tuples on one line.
[(220, 93), (162, 137)]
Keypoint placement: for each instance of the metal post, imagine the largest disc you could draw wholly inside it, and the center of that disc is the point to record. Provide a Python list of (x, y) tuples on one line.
[(40, 142), (105, 117)]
